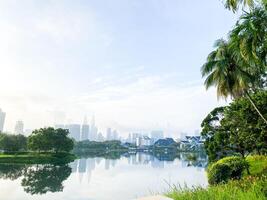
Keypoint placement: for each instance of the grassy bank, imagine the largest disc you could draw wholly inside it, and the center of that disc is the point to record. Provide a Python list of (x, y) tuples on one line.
[(250, 187), (36, 158)]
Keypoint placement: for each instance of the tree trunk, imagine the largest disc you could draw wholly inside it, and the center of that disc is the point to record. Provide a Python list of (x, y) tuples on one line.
[(256, 108)]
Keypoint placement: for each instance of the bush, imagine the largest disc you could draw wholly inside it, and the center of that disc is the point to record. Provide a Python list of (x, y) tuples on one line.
[(226, 168)]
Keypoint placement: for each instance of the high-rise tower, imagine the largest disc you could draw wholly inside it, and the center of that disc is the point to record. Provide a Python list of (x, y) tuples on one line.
[(2, 120)]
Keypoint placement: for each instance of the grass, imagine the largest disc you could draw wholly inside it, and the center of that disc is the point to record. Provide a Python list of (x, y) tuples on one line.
[(250, 187), (36, 158)]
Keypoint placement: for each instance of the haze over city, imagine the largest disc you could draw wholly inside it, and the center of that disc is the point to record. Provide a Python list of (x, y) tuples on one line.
[(85, 58)]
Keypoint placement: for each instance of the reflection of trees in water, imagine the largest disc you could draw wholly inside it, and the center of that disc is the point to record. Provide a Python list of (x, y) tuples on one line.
[(38, 179), (11, 172), (196, 159)]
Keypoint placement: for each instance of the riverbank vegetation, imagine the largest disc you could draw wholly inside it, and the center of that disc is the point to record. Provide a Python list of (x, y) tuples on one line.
[(250, 187), (236, 135), (45, 145)]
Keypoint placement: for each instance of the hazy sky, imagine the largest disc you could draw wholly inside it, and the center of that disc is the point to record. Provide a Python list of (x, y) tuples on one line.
[(135, 64)]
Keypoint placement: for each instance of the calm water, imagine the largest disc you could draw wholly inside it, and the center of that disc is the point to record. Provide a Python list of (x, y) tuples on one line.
[(121, 178)]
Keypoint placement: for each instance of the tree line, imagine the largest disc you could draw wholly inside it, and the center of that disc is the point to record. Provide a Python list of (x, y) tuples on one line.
[(41, 140)]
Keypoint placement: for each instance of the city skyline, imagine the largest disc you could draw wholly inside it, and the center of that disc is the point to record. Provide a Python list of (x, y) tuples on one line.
[(126, 62)]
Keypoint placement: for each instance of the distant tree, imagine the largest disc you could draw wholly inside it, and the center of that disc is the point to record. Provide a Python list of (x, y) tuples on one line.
[(11, 143), (50, 139)]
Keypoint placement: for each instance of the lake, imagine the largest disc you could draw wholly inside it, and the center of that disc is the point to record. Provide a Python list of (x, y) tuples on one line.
[(121, 177)]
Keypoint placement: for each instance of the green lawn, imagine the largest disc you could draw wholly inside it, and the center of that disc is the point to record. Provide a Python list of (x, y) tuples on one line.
[(251, 187), (36, 158)]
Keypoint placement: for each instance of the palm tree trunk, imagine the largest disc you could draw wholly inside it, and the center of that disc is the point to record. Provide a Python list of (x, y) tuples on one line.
[(255, 106)]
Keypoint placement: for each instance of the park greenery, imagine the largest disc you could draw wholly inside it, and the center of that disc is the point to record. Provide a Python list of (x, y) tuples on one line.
[(236, 135), (45, 145)]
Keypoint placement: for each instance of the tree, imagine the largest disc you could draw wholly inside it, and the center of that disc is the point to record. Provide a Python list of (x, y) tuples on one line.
[(236, 128), (61, 142), (234, 4), (231, 77), (215, 139), (248, 41), (12, 143), (50, 139)]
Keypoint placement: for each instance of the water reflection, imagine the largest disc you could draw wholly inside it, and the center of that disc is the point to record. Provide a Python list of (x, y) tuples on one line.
[(100, 177), (156, 160), (37, 179)]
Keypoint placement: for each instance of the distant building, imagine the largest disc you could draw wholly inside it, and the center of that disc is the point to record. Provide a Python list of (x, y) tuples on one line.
[(109, 134), (134, 137), (192, 143), (156, 135), (75, 130), (19, 127), (165, 142), (85, 130), (100, 137), (143, 141), (93, 131), (115, 135), (2, 120)]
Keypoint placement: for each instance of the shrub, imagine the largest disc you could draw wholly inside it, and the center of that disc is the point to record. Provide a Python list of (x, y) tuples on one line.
[(218, 173), (226, 168)]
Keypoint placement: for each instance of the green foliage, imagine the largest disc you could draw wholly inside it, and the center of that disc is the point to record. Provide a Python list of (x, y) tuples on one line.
[(106, 145), (36, 158), (50, 139), (11, 143), (226, 169), (249, 188), (218, 173), (236, 129), (234, 5)]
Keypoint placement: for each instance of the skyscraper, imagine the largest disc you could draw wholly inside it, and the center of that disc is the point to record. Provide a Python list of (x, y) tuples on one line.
[(2, 120), (109, 134), (93, 130), (75, 130), (85, 130), (19, 127)]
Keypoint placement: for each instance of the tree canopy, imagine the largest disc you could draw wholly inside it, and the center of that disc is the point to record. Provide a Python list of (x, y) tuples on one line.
[(236, 129), (50, 139)]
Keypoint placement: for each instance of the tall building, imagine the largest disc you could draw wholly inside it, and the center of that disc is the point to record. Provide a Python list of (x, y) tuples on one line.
[(93, 131), (115, 135), (75, 130), (109, 134), (19, 127), (2, 120), (85, 130)]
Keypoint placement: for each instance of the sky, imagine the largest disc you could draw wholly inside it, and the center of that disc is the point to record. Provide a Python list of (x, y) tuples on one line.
[(133, 64)]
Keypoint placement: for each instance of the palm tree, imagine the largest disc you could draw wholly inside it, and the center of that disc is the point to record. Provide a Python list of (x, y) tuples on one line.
[(234, 4), (229, 77), (249, 38)]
